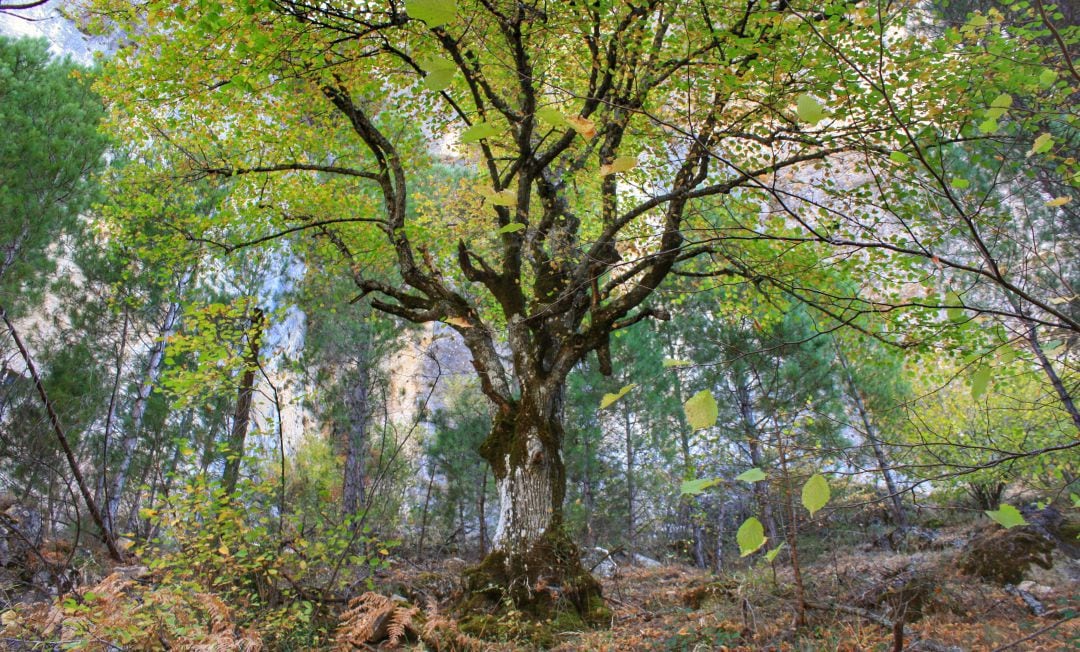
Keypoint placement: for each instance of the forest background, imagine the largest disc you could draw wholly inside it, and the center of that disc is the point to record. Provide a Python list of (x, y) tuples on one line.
[(303, 300)]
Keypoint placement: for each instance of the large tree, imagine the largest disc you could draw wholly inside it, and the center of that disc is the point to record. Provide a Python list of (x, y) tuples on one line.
[(600, 140)]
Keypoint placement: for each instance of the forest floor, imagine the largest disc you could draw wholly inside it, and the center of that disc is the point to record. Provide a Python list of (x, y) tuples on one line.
[(855, 595), (920, 592)]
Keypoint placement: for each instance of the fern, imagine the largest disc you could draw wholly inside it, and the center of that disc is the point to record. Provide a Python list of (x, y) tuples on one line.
[(400, 619)]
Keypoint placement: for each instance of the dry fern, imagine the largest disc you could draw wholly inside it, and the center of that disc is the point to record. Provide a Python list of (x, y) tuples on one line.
[(370, 618), (117, 613), (442, 633)]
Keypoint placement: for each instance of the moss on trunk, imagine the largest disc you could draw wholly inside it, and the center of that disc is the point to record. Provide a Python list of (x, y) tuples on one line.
[(533, 596)]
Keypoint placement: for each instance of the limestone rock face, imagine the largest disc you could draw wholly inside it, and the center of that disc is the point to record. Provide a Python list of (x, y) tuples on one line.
[(51, 21)]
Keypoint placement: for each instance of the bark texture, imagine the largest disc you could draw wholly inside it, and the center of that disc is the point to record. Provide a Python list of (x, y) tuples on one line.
[(533, 561)]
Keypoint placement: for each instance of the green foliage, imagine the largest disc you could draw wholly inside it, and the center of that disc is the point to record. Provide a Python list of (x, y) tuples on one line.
[(751, 475), (695, 487), (1007, 516), (276, 565), (609, 399), (701, 410), (750, 537), (815, 493), (50, 153)]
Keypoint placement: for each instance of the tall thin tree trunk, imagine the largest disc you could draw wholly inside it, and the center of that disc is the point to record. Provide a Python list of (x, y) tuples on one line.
[(424, 514), (358, 402), (688, 502), (631, 526), (588, 492), (244, 398), (482, 512), (792, 539), (899, 515), (110, 414), (150, 379), (761, 489)]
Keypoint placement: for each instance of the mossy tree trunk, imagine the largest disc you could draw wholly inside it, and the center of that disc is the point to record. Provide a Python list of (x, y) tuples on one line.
[(533, 561)]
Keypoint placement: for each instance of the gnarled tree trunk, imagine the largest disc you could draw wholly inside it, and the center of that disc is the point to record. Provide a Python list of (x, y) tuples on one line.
[(532, 557)]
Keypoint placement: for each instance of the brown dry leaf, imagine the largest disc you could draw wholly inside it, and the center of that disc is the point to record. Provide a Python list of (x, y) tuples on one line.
[(584, 126)]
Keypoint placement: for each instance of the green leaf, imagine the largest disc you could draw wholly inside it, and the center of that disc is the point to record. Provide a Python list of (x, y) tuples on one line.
[(1042, 144), (1075, 500), (751, 475), (478, 131), (505, 197), (988, 126), (771, 555), (815, 493), (1047, 78), (1002, 101), (978, 20), (440, 73), (1007, 516), (512, 227), (552, 116), (671, 362), (751, 536), (979, 381), (701, 410), (899, 157), (955, 309), (608, 399), (959, 184), (809, 110), (620, 164), (695, 487), (432, 12)]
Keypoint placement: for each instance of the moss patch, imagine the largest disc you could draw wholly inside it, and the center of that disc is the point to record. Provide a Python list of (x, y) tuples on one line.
[(532, 597)]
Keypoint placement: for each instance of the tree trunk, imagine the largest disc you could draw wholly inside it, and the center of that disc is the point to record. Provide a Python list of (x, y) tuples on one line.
[(481, 510), (761, 489), (358, 401), (245, 394), (875, 442), (138, 410), (533, 561), (631, 540)]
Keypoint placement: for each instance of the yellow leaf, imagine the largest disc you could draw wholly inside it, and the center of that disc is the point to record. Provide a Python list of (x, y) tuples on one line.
[(503, 198), (584, 126), (458, 321), (620, 164), (1058, 201), (223, 551), (608, 399)]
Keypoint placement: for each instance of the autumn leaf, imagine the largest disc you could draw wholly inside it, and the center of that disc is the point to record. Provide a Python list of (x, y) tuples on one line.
[(701, 410), (477, 132), (608, 399), (584, 126), (620, 164)]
